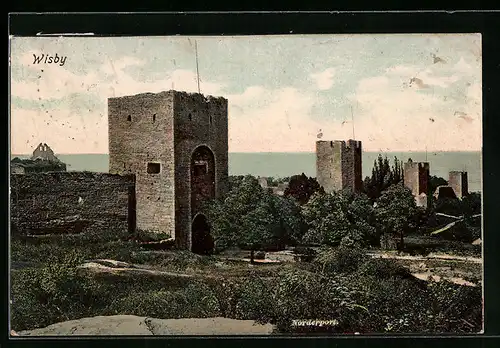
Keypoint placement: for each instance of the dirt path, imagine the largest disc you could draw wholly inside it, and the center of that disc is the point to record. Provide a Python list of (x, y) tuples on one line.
[(431, 256)]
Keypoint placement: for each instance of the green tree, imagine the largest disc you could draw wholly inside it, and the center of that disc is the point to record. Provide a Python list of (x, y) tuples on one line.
[(302, 188), (339, 218), (253, 218), (396, 212), (383, 176), (235, 181), (471, 204), (434, 182)]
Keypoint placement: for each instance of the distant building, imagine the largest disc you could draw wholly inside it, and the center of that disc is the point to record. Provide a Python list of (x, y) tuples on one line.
[(445, 191), (280, 189), (42, 160), (338, 165), (459, 182), (44, 152), (416, 178)]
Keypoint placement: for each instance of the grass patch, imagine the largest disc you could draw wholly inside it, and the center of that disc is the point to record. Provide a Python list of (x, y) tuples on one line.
[(362, 294)]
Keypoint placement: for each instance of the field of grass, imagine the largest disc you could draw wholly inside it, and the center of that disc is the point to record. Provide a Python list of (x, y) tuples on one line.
[(363, 294)]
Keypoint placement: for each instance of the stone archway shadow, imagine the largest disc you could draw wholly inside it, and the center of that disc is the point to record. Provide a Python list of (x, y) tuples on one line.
[(202, 241)]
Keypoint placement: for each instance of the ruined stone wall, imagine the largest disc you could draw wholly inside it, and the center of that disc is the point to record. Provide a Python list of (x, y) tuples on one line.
[(45, 152), (70, 202), (141, 132), (416, 177), (459, 182), (351, 166), (329, 165), (199, 121)]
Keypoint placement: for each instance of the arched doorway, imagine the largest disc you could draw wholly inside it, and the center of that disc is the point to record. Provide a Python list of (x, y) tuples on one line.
[(202, 189), (202, 242), (202, 177)]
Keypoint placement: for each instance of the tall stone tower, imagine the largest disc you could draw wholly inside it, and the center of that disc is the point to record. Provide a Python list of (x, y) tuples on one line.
[(177, 146), (338, 165), (459, 182), (416, 178)]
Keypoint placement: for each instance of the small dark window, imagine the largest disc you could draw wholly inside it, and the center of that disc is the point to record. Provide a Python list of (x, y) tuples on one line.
[(190, 117), (154, 117), (129, 118), (210, 119), (154, 168), (200, 168)]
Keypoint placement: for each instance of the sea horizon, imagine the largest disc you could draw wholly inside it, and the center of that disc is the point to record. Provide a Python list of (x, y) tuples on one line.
[(285, 164)]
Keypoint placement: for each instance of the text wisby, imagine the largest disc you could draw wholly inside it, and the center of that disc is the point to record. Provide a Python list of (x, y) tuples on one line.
[(49, 59)]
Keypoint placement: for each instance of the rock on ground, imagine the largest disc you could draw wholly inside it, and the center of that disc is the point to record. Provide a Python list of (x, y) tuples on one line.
[(134, 325)]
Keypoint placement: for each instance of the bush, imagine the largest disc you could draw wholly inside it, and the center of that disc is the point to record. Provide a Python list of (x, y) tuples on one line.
[(56, 292), (196, 300), (384, 269), (304, 253), (255, 300), (340, 260), (456, 308)]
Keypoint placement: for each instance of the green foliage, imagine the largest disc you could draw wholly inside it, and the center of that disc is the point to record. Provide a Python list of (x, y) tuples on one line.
[(255, 300), (302, 188), (273, 182), (468, 208), (434, 182), (339, 218), (253, 218), (396, 211), (39, 165), (450, 206), (384, 269), (304, 295), (235, 181), (340, 260), (383, 176), (55, 292), (196, 300), (471, 204), (361, 294)]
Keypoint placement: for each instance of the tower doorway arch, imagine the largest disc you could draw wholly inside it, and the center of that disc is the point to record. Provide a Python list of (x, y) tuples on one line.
[(202, 190), (202, 241), (202, 177)]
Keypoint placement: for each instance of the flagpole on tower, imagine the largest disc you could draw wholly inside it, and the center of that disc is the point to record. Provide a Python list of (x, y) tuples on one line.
[(352, 121), (197, 70)]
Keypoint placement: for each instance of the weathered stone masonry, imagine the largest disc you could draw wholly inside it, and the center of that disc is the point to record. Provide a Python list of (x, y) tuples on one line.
[(71, 202), (416, 177), (338, 165), (177, 145), (459, 182)]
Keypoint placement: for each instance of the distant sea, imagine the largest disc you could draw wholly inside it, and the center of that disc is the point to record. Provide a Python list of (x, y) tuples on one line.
[(278, 164)]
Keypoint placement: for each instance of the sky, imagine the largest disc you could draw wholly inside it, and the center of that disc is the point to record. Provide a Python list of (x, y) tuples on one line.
[(393, 92)]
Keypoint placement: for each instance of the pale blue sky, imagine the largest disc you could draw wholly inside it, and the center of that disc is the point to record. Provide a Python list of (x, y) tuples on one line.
[(406, 92)]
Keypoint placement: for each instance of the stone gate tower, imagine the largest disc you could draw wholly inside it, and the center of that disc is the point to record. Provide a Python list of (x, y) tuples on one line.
[(177, 146), (338, 165)]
